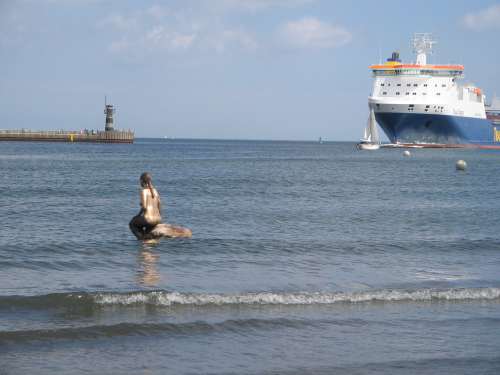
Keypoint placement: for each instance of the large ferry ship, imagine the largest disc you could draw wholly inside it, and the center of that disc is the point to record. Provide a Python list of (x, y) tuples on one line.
[(427, 105)]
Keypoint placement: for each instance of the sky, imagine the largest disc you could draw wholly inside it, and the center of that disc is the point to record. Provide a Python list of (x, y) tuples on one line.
[(224, 69)]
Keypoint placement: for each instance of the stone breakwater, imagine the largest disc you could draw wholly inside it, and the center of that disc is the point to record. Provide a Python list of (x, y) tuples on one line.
[(115, 136)]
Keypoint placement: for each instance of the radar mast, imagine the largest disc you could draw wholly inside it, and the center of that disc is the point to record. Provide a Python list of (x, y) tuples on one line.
[(422, 45)]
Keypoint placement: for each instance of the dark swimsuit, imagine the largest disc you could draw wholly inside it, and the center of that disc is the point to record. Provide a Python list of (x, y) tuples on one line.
[(139, 226)]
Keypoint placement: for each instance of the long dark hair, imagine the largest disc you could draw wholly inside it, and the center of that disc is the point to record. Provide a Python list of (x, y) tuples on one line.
[(147, 182)]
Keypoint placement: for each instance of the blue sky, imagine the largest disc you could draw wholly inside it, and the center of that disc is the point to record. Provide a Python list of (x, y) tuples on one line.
[(238, 69)]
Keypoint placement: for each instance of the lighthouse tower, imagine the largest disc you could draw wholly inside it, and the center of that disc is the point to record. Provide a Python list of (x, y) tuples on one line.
[(108, 111)]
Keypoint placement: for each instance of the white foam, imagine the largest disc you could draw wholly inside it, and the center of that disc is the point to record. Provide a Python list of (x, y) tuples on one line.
[(162, 298)]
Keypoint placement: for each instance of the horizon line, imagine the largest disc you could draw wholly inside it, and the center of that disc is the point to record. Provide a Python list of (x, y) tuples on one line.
[(317, 140)]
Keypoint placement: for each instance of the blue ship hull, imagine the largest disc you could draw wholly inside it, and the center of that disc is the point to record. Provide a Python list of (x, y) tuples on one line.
[(420, 128)]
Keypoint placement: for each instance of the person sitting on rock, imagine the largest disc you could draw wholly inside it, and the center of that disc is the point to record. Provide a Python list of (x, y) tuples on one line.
[(150, 214)]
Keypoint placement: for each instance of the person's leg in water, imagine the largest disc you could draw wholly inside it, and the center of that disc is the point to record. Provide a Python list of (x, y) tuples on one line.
[(139, 226)]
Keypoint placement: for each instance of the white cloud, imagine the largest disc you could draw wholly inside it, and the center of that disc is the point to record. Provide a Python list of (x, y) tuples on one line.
[(164, 38), (488, 18), (157, 29), (256, 5), (312, 33)]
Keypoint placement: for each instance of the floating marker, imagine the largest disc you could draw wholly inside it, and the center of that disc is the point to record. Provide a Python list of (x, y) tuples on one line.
[(461, 165), (406, 153)]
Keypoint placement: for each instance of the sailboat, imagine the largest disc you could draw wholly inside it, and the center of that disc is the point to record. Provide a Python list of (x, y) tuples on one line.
[(370, 139)]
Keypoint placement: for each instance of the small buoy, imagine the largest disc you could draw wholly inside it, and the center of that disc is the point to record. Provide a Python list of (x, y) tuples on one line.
[(461, 165), (406, 153)]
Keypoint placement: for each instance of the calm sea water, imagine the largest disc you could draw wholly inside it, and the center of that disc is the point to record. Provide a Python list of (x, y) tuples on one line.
[(306, 258)]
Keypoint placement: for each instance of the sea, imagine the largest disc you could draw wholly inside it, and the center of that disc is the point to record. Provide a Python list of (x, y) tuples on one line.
[(306, 258)]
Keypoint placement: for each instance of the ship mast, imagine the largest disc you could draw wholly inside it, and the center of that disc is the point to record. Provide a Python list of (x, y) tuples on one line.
[(422, 45)]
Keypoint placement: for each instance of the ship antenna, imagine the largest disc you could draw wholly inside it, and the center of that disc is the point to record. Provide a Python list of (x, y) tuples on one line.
[(422, 45)]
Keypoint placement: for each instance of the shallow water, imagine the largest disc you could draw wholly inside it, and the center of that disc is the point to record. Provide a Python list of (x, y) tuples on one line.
[(305, 258)]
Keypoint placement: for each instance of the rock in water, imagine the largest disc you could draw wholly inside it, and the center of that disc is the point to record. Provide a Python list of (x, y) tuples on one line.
[(169, 231), (406, 153), (461, 165)]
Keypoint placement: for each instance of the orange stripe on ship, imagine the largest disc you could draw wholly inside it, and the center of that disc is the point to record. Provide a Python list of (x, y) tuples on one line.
[(415, 66)]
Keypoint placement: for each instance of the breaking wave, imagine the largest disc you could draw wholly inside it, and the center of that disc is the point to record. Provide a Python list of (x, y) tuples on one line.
[(168, 298), (161, 298)]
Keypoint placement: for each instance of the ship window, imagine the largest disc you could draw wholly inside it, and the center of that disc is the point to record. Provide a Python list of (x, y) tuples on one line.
[(415, 85), (384, 93), (397, 93), (399, 84), (443, 85), (408, 84), (425, 84), (407, 93), (382, 84), (424, 93), (438, 93), (414, 93), (411, 105), (427, 106), (388, 84)]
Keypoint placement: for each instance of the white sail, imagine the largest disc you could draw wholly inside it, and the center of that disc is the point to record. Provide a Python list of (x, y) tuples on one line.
[(373, 128), (370, 139), (366, 131)]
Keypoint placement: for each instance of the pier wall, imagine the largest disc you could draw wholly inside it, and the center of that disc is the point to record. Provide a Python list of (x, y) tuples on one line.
[(114, 136)]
